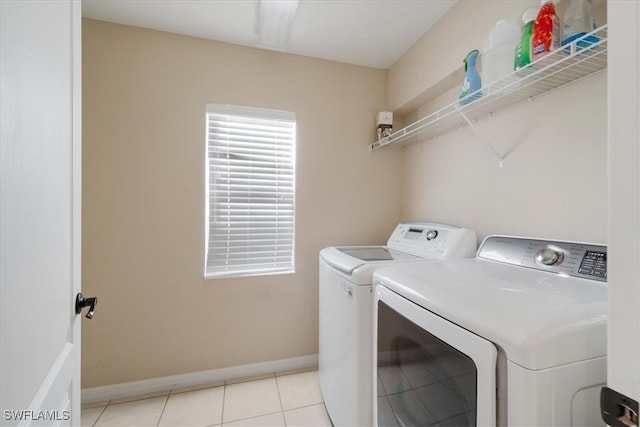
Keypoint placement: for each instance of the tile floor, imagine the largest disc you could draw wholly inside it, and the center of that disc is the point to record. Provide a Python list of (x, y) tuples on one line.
[(274, 401)]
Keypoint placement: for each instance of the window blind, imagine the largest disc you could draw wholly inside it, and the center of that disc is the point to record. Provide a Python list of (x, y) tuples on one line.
[(250, 191)]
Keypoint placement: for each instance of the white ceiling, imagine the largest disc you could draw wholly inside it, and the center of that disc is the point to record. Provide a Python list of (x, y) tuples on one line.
[(373, 33)]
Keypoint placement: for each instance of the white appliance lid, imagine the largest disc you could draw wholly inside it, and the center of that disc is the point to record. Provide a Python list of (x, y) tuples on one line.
[(359, 262), (373, 253), (540, 319)]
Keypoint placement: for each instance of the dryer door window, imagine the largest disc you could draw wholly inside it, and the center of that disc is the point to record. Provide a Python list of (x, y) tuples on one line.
[(427, 375)]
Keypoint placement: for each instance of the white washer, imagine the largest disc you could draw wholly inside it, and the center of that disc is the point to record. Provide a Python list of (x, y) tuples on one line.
[(515, 336), (345, 309)]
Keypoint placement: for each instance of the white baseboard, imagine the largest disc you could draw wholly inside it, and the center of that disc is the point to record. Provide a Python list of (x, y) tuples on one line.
[(114, 391)]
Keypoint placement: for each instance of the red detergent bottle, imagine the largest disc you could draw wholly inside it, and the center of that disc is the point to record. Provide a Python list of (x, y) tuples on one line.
[(546, 35)]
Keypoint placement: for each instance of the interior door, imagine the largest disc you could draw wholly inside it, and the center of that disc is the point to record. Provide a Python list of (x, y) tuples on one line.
[(40, 212), (623, 334)]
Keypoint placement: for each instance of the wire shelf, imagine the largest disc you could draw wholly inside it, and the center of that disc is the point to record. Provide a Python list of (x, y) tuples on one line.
[(563, 66)]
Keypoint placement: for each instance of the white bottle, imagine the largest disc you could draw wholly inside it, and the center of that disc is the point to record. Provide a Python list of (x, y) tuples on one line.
[(498, 51)]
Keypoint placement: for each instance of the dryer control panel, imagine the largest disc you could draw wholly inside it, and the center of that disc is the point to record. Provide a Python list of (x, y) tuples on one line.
[(588, 261)]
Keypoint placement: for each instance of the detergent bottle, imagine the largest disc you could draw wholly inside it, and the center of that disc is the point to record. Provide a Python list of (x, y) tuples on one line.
[(497, 52), (522, 54), (547, 32), (471, 82)]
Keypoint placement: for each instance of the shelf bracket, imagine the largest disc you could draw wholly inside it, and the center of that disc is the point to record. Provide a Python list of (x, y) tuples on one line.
[(480, 137)]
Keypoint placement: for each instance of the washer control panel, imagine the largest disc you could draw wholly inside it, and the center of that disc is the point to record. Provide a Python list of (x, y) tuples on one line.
[(583, 260), (433, 240)]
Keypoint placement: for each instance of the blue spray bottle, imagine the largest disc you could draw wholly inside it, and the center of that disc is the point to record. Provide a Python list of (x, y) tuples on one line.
[(471, 81)]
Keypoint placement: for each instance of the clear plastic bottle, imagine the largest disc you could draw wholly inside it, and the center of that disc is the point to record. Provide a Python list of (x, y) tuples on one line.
[(547, 32), (578, 21), (522, 54)]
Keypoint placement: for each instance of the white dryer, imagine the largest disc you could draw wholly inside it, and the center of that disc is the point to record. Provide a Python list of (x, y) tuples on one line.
[(515, 336), (345, 309)]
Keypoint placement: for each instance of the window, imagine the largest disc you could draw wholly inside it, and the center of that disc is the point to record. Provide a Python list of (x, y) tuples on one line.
[(250, 191)]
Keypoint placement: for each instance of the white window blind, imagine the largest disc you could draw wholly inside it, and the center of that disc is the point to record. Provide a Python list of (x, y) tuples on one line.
[(250, 191)]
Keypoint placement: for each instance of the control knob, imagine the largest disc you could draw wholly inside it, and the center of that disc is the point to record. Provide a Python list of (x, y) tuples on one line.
[(432, 234), (549, 256)]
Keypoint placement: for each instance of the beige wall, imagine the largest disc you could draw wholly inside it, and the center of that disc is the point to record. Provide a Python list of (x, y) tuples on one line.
[(554, 179), (144, 96)]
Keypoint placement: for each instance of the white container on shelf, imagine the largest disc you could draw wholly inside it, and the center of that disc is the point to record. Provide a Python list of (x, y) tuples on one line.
[(498, 51)]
